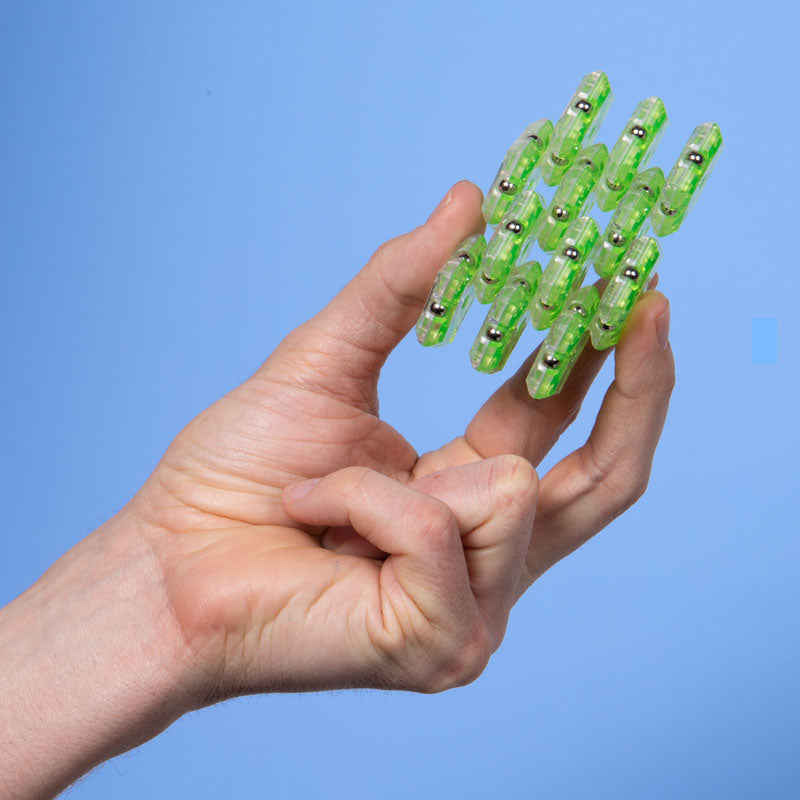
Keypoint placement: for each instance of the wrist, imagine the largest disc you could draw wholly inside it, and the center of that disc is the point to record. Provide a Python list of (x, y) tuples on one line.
[(92, 662)]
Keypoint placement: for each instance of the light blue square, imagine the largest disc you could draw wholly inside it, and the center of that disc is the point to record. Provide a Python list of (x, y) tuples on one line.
[(765, 340)]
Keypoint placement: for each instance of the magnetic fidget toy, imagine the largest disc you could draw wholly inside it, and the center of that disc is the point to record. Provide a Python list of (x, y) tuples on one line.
[(501, 274)]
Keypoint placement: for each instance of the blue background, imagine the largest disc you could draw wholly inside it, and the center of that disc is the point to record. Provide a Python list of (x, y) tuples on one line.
[(183, 183)]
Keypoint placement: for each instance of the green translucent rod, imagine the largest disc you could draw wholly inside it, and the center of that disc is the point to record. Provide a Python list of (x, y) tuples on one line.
[(571, 195), (506, 319), (506, 244), (627, 221), (517, 169), (686, 178), (577, 124), (633, 148), (629, 280), (563, 344), (567, 269), (451, 295)]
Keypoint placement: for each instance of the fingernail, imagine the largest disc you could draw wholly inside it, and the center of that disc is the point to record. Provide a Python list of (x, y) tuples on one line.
[(294, 491), (443, 203), (662, 328)]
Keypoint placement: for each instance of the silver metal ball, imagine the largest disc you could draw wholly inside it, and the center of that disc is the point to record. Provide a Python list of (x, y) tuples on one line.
[(494, 334), (670, 212), (486, 279), (615, 187), (551, 361), (617, 239), (438, 309), (606, 327), (572, 253), (465, 257), (637, 130), (583, 105), (514, 226), (547, 307), (506, 187), (695, 157), (631, 273), (560, 213), (578, 309)]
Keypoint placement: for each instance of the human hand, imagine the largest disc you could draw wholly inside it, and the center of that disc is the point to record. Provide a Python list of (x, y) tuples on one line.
[(395, 570), (215, 501)]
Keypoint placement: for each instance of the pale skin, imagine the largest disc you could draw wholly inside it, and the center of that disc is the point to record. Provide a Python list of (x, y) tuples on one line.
[(289, 540)]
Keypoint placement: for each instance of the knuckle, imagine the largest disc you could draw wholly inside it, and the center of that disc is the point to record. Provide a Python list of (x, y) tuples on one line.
[(623, 479), (391, 282), (436, 661), (463, 662), (386, 249), (637, 489), (353, 480), (436, 524), (473, 659), (515, 479), (627, 490), (469, 661)]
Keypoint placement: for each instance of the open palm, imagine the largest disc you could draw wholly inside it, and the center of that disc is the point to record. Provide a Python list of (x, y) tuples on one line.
[(395, 569)]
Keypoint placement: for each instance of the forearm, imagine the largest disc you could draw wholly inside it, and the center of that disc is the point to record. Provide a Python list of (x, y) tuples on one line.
[(90, 663)]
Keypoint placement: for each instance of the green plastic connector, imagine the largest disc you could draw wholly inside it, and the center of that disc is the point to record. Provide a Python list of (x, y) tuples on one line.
[(629, 280), (686, 178), (571, 195), (581, 118), (567, 269), (517, 170), (628, 220), (452, 294), (638, 140), (506, 244), (506, 319), (499, 274), (563, 344)]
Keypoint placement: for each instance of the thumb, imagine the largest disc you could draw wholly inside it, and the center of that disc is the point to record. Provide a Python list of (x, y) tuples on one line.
[(494, 503), (361, 325)]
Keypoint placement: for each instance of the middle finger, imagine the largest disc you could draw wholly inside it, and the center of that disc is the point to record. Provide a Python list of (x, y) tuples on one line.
[(511, 421)]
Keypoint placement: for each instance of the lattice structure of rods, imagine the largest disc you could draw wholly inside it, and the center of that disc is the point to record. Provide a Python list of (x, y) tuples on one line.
[(498, 273)]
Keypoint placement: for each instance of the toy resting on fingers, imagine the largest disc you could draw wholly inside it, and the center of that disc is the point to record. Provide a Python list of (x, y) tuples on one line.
[(501, 273)]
